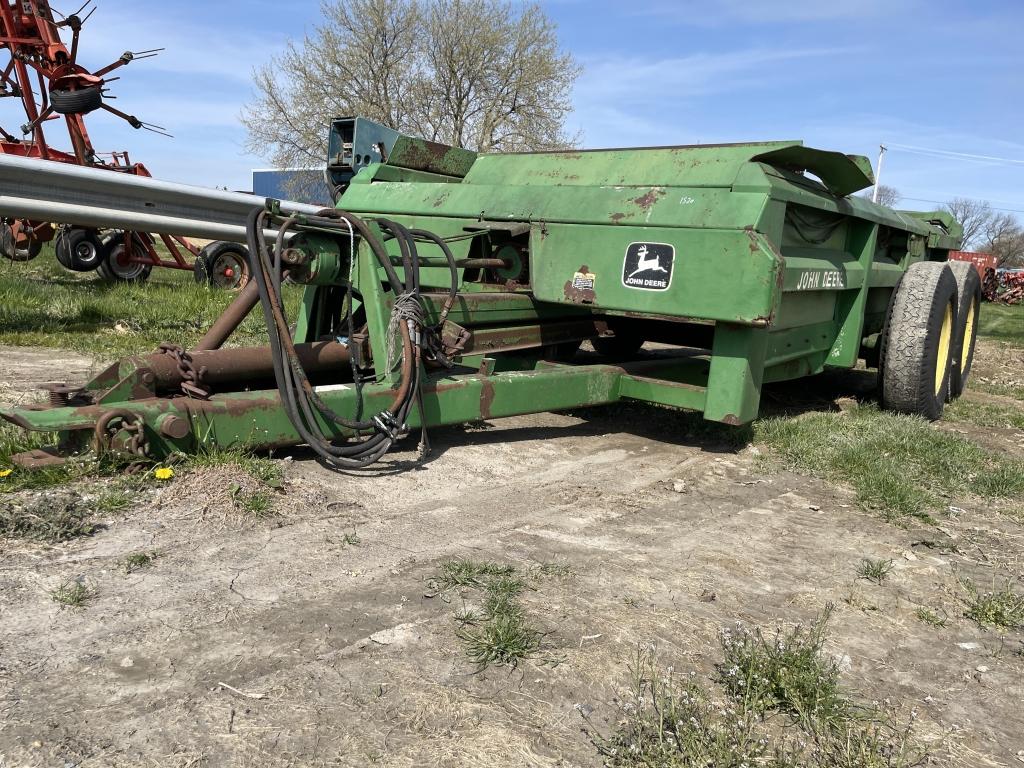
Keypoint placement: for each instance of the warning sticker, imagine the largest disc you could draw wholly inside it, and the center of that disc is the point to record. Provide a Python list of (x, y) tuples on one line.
[(648, 266), (584, 281)]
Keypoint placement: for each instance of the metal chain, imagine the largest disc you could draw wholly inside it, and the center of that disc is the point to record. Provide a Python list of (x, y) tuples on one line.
[(192, 377)]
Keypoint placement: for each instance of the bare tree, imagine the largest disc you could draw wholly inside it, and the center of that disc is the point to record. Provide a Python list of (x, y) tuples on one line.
[(973, 215), (1003, 237), (481, 74), (887, 196)]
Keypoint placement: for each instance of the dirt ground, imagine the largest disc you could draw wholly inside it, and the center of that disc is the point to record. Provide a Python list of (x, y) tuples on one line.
[(278, 643)]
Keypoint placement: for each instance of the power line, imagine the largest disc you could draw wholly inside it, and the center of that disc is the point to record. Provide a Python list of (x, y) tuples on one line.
[(941, 203), (948, 153)]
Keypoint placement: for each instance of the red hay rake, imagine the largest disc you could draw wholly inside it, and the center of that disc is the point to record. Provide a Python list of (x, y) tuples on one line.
[(52, 86)]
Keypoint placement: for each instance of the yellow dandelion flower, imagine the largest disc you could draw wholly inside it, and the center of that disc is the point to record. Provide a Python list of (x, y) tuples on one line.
[(6, 473), (163, 473)]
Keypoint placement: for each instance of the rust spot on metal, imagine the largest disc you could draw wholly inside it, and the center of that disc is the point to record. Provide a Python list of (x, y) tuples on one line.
[(732, 420), (646, 201), (486, 397), (578, 294), (617, 217)]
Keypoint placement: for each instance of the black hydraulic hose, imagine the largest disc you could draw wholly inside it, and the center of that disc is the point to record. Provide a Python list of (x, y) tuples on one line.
[(299, 398), (452, 268)]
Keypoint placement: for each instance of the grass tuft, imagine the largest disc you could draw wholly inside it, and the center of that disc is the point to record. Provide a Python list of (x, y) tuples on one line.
[(1001, 608), (875, 571), (671, 721), (928, 616), (787, 673), (73, 594), (497, 630), (138, 560)]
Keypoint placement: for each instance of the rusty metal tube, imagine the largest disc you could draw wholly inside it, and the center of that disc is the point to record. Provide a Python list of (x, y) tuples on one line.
[(243, 365), (230, 318)]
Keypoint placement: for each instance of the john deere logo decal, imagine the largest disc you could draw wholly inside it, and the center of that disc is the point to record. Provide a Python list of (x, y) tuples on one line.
[(648, 266)]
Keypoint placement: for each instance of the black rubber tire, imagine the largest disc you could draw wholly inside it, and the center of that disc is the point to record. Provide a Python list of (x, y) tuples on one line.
[(80, 102), (10, 249), (200, 270), (969, 296), (620, 347), (111, 271), (911, 367), (79, 250), (220, 255)]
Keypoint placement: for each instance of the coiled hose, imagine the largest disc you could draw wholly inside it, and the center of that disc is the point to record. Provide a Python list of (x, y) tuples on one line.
[(299, 398)]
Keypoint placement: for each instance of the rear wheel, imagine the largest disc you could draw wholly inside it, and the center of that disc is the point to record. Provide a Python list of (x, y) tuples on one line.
[(916, 370), (968, 291), (226, 265), (116, 267)]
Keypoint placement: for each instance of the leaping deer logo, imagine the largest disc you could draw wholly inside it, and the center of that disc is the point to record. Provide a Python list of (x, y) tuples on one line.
[(644, 264)]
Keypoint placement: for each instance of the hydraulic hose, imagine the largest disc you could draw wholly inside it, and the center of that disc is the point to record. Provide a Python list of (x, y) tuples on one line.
[(299, 398)]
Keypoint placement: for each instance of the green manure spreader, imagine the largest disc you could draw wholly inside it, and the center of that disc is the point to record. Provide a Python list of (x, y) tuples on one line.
[(447, 287)]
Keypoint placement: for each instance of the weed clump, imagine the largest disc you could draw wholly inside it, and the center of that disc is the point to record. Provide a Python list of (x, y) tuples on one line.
[(73, 594), (497, 630), (786, 673), (874, 571), (671, 721), (1001, 608)]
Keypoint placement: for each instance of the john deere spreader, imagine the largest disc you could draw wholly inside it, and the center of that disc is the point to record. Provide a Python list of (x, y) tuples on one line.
[(449, 287)]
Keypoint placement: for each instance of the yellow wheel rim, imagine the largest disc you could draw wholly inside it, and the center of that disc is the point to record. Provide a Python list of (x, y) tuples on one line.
[(968, 336), (945, 338)]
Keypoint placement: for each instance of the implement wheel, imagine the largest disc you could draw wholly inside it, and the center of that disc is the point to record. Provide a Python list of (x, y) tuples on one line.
[(918, 348), (115, 266), (226, 265), (9, 245), (968, 292), (79, 250)]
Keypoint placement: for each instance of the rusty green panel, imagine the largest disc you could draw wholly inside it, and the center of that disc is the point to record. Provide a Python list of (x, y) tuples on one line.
[(429, 156), (650, 206), (704, 165), (732, 276)]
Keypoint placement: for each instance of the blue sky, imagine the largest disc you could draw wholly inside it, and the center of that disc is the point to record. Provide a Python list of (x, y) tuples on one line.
[(839, 74)]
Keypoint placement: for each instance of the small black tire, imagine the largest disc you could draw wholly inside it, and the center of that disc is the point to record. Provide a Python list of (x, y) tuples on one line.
[(618, 347), (226, 264), (112, 270), (9, 246), (969, 295), (78, 102), (79, 250), (915, 374)]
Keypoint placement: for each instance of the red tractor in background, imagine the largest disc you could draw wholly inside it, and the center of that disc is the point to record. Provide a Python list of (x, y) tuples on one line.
[(986, 265), (67, 91)]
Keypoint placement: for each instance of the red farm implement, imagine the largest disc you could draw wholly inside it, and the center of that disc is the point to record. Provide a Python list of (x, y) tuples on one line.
[(986, 265), (44, 74)]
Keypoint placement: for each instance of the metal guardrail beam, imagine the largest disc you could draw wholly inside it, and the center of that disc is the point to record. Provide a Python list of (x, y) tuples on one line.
[(42, 190)]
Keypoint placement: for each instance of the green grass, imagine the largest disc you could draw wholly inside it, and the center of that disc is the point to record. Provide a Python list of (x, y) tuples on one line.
[(496, 631), (58, 515), (898, 465), (667, 720), (931, 617), (44, 305), (1003, 322), (984, 414), (785, 673), (138, 560), (1001, 608), (73, 594), (874, 571)]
